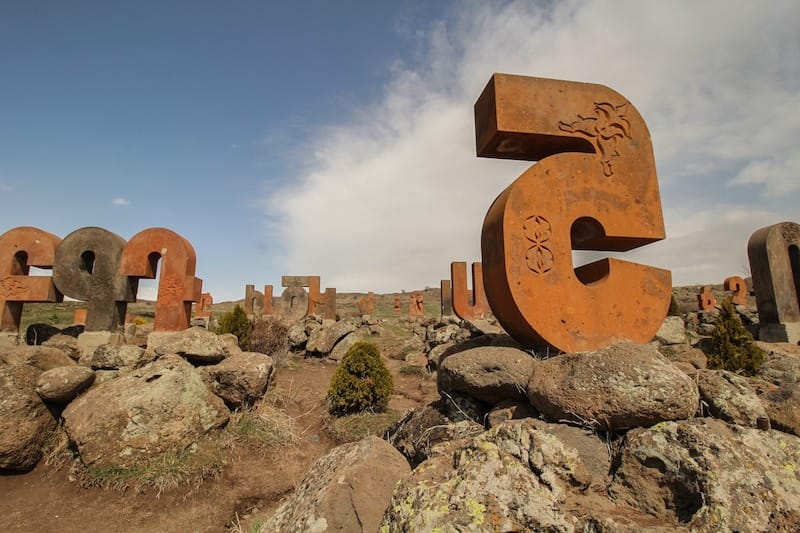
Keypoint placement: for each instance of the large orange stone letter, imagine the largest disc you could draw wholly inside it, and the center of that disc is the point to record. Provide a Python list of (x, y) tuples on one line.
[(177, 285), (462, 307), (594, 188), (20, 249)]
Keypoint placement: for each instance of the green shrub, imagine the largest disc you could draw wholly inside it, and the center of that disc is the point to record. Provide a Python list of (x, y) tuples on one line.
[(733, 348), (236, 322), (360, 382)]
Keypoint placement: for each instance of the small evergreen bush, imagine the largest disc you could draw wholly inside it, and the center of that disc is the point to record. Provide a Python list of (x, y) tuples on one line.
[(733, 348), (236, 322), (360, 382)]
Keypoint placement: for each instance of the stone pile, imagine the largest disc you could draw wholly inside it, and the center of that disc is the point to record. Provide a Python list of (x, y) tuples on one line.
[(167, 396)]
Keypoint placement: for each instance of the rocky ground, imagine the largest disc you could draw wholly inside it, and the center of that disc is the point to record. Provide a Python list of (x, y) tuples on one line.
[(480, 434)]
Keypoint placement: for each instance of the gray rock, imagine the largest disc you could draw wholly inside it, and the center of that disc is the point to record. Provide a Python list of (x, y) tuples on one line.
[(345, 344), (140, 415), (729, 397), (510, 478), (782, 363), (41, 357), (297, 336), (195, 344), (683, 353), (241, 379), (491, 374), (444, 334), (619, 387), (25, 422), (66, 343), (510, 410), (435, 355), (346, 490), (672, 331), (417, 359), (783, 408), (483, 326), (231, 343), (63, 384), (110, 357), (708, 476), (322, 340)]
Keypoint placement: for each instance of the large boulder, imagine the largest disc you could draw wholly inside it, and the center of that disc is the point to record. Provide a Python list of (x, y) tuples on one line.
[(346, 490), (25, 422), (110, 357), (321, 341), (66, 343), (709, 476), (345, 344), (196, 344), (162, 406), (241, 379), (782, 363), (511, 478), (619, 387), (63, 384), (729, 397), (41, 357), (672, 331), (783, 408), (490, 373)]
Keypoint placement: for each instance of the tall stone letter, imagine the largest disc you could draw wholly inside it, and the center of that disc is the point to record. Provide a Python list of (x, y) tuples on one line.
[(20, 249), (177, 285), (462, 307), (774, 254), (594, 188), (87, 269)]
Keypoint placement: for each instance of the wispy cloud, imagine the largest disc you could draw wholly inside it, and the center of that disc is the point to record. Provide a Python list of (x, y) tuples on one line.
[(393, 195), (120, 202), (6, 187)]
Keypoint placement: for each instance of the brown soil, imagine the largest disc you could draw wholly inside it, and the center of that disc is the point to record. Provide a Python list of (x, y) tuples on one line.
[(249, 488)]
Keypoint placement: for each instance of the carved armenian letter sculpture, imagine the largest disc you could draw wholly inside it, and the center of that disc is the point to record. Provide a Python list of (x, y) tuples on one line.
[(177, 287), (462, 307), (594, 188), (87, 269), (20, 249), (738, 287), (774, 254)]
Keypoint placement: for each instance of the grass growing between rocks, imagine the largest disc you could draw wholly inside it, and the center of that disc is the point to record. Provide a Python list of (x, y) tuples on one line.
[(262, 430), (350, 428)]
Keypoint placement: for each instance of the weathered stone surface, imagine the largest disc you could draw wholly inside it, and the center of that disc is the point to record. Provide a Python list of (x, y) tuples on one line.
[(241, 379), (683, 353), (782, 363), (195, 344), (435, 355), (783, 408), (491, 339), (346, 490), (510, 478), (672, 331), (66, 343), (619, 387), (345, 344), (709, 476), (491, 374), (297, 336), (482, 326), (25, 421), (231, 343), (510, 410), (125, 357), (443, 334), (61, 385), (417, 359), (323, 340), (162, 406), (420, 430), (729, 397), (41, 357)]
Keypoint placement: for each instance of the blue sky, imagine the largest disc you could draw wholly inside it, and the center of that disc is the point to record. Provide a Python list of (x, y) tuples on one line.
[(337, 139)]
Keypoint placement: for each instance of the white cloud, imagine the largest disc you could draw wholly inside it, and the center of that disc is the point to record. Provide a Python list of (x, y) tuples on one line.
[(6, 187), (396, 193), (120, 202)]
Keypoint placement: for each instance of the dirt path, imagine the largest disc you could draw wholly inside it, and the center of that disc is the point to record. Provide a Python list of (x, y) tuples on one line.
[(250, 485)]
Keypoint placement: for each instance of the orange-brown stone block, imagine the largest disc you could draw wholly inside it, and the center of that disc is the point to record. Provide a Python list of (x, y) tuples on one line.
[(706, 300), (267, 309), (177, 286), (366, 305), (79, 317), (463, 308), (253, 301), (416, 304), (738, 287), (446, 298), (396, 308), (594, 188), (20, 249), (203, 307)]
